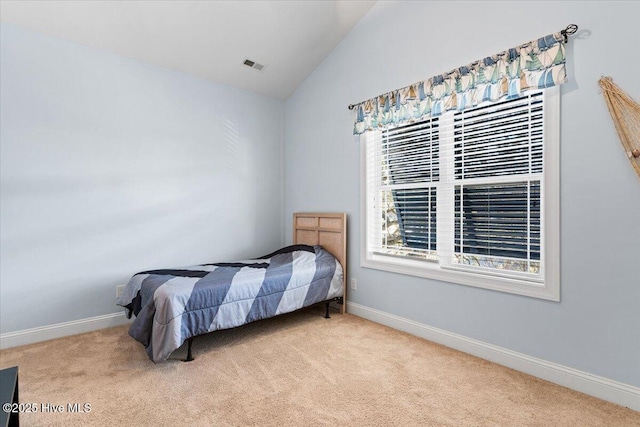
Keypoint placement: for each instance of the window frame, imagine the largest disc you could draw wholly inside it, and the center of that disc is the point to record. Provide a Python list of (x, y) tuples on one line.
[(549, 287)]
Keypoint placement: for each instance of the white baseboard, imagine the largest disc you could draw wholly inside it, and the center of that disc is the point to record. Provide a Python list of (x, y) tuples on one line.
[(600, 387), (44, 333)]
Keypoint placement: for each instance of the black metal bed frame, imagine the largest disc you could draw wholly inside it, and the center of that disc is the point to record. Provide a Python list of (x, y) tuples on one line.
[(339, 300)]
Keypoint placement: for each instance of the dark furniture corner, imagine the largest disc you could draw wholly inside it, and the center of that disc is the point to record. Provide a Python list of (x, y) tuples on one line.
[(9, 394)]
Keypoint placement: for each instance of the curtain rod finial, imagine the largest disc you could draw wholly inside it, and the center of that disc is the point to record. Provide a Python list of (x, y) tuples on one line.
[(571, 29)]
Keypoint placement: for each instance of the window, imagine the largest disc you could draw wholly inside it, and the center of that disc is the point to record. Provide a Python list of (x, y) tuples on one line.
[(468, 197)]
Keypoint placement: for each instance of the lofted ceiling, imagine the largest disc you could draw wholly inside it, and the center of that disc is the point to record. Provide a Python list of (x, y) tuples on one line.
[(209, 39)]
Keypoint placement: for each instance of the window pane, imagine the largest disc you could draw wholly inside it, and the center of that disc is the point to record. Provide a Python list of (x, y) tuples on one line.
[(499, 139), (411, 153), (406, 169), (409, 222), (498, 225)]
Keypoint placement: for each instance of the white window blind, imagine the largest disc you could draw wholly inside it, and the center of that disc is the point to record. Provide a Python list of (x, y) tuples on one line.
[(463, 192)]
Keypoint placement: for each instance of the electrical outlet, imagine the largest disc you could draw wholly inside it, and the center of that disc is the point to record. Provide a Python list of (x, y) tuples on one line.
[(119, 290), (354, 284)]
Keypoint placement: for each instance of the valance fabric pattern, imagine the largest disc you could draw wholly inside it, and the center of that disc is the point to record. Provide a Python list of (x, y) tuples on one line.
[(535, 65)]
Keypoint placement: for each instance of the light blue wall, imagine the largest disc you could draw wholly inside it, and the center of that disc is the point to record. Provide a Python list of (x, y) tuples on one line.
[(111, 166), (596, 326)]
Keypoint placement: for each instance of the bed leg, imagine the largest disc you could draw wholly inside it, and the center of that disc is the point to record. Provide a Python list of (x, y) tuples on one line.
[(189, 355), (326, 314)]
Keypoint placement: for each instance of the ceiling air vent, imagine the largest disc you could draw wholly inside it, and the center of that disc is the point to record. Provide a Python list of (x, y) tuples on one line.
[(253, 64)]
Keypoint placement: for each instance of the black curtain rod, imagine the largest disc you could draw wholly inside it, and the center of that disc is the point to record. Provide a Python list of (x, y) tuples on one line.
[(570, 30)]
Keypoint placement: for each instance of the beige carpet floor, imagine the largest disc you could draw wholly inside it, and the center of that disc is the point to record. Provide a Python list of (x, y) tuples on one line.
[(294, 370)]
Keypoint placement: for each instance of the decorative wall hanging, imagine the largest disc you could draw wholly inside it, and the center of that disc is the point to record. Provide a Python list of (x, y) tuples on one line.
[(625, 113)]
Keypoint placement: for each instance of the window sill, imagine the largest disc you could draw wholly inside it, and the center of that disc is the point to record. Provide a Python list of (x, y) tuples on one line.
[(433, 271)]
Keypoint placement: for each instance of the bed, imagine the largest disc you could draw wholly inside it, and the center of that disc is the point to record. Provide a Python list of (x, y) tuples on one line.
[(175, 305)]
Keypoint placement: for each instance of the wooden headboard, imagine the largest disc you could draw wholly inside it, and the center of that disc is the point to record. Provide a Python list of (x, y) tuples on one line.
[(328, 230)]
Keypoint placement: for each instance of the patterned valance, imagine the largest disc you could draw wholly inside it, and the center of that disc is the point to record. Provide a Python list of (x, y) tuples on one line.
[(534, 65)]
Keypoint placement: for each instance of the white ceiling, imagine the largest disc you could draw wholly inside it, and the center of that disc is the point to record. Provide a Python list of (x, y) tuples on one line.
[(209, 39)]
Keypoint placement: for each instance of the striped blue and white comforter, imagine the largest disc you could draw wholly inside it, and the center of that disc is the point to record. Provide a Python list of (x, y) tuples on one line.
[(174, 305)]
